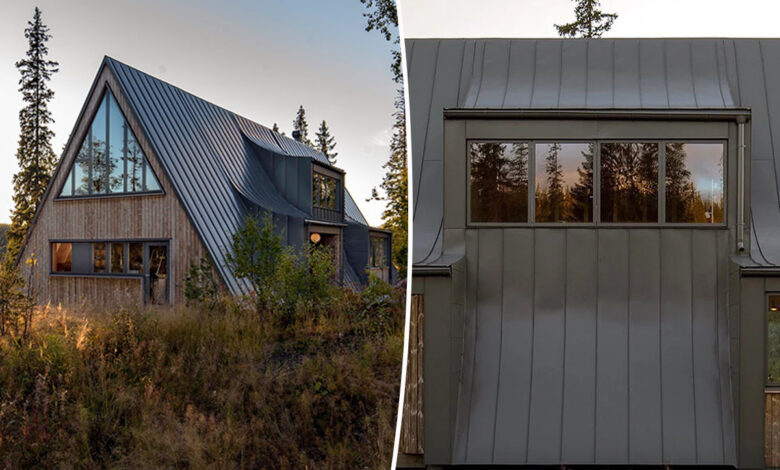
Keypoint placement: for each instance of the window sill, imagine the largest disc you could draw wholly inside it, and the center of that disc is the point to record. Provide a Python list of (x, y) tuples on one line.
[(651, 225), (98, 275)]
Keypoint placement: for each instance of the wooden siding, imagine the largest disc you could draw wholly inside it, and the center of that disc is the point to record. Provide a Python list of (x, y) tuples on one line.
[(412, 435), (120, 217), (772, 428)]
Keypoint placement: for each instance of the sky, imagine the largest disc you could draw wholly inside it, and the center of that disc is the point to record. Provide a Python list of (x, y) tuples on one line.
[(637, 18), (258, 58)]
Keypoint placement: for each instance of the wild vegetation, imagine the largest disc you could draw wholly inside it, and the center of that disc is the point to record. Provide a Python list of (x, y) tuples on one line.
[(304, 374)]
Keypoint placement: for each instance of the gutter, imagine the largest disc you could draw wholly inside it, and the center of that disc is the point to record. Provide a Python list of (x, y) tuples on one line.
[(681, 114), (423, 270)]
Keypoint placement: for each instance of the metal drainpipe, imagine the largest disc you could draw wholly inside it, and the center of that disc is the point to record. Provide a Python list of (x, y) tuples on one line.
[(741, 179)]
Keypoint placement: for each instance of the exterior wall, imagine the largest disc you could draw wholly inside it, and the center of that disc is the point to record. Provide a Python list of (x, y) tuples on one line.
[(119, 217), (605, 344)]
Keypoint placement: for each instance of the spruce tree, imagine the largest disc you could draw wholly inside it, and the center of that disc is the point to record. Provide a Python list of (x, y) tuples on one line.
[(300, 125), (590, 22), (396, 188), (382, 16), (35, 156), (326, 142)]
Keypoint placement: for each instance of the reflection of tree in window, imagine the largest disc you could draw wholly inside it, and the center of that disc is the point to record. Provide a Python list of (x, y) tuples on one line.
[(135, 160), (499, 182), (564, 182), (81, 170), (629, 182), (694, 183)]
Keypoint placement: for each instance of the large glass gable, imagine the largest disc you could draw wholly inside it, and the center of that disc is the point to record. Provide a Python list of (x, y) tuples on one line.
[(110, 161)]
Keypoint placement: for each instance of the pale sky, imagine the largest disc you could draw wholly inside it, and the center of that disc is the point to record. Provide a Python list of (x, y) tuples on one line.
[(258, 58), (638, 18)]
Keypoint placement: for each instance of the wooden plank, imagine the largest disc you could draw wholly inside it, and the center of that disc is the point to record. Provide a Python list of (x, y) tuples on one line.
[(412, 431), (772, 429)]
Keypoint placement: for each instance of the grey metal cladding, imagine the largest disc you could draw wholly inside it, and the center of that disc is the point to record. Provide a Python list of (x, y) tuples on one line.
[(598, 74), (587, 345), (218, 163), (594, 346)]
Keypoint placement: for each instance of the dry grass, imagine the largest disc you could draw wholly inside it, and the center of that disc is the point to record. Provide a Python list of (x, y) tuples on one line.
[(202, 388)]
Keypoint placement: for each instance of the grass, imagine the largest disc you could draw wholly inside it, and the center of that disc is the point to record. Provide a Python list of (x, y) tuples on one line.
[(204, 387)]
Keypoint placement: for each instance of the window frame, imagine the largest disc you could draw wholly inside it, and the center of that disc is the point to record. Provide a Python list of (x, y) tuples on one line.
[(767, 384), (86, 122), (661, 142), (108, 241)]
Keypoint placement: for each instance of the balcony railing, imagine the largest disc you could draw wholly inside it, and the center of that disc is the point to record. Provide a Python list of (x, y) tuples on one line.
[(328, 215)]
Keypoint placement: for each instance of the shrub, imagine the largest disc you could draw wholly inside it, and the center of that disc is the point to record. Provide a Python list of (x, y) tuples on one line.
[(380, 305), (199, 285), (286, 281)]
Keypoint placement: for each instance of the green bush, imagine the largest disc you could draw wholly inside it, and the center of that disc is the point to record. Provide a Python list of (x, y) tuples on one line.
[(286, 281), (200, 287), (379, 305)]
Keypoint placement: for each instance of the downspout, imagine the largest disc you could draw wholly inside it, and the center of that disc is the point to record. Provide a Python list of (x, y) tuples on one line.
[(741, 179)]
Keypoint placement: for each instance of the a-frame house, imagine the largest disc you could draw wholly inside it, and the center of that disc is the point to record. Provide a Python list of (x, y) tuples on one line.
[(154, 178)]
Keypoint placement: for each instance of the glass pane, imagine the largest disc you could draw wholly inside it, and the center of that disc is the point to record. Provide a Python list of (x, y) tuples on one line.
[(499, 181), (158, 275), (135, 163), (81, 169), (98, 257), (629, 182), (98, 144), (151, 181), (117, 257), (67, 187), (694, 182), (136, 258), (61, 257), (773, 341), (564, 182), (116, 164)]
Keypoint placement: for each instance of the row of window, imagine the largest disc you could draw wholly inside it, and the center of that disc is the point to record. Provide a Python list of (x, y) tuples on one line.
[(563, 180), (110, 161), (325, 192), (98, 257)]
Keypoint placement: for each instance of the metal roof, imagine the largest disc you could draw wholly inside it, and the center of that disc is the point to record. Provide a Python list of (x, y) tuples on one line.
[(620, 74), (207, 154)]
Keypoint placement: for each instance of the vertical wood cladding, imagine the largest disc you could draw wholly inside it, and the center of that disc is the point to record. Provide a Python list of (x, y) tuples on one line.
[(120, 217), (412, 435)]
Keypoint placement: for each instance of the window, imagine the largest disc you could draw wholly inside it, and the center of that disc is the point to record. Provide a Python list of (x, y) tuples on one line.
[(117, 258), (136, 258), (104, 258), (98, 257), (61, 257), (499, 181), (773, 340), (109, 161), (694, 182), (629, 182), (377, 254), (325, 192), (564, 182)]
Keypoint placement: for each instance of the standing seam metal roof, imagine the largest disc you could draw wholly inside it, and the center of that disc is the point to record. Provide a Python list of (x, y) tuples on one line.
[(205, 153)]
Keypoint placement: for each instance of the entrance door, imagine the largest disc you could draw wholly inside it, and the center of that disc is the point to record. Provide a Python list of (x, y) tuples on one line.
[(156, 286)]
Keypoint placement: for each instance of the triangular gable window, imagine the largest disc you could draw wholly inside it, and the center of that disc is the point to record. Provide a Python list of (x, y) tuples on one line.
[(110, 161)]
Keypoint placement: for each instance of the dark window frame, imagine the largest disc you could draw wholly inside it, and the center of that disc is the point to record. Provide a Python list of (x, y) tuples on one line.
[(767, 383), (70, 174), (660, 223), (108, 241)]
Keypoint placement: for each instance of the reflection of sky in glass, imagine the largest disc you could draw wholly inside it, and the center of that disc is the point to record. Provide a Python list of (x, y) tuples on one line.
[(705, 162), (570, 157)]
